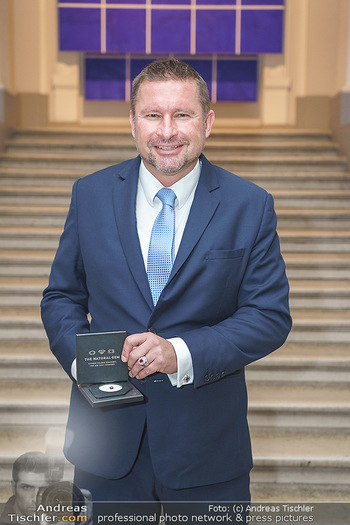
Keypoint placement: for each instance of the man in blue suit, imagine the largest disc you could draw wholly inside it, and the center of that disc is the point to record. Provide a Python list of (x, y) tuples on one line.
[(224, 305)]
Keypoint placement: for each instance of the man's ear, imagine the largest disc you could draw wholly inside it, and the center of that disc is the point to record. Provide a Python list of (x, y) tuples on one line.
[(209, 121), (132, 123)]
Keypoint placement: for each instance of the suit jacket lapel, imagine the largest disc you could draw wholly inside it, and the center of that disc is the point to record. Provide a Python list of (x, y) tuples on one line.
[(205, 202), (125, 190)]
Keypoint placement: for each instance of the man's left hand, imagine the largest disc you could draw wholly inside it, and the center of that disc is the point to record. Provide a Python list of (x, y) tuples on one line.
[(159, 353)]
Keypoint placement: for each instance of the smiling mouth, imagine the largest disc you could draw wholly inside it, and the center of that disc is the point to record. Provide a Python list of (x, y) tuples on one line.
[(169, 148)]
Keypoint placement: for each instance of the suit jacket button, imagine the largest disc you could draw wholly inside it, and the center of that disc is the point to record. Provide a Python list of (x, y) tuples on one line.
[(207, 378), (212, 377), (152, 329), (218, 376)]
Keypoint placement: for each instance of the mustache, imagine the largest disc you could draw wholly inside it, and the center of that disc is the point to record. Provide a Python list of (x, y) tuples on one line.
[(170, 142)]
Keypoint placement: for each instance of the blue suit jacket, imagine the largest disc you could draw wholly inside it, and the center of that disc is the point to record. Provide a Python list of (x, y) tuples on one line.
[(227, 297)]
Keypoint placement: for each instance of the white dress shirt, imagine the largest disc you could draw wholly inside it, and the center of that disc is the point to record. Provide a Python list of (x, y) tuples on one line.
[(147, 208)]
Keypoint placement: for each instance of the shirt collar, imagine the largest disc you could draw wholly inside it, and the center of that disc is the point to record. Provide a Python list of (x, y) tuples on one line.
[(182, 188)]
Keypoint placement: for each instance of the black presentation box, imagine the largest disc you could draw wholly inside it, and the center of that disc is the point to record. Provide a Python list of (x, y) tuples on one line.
[(102, 376)]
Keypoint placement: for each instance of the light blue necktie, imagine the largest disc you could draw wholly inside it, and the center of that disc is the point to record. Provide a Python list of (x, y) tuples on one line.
[(161, 247)]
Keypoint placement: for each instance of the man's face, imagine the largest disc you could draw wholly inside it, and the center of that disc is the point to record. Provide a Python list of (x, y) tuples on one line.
[(26, 490), (169, 128)]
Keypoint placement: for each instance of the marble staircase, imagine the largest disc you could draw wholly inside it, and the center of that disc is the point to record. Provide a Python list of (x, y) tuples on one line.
[(299, 397)]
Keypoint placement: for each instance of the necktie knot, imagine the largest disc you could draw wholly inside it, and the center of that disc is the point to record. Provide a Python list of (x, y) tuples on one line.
[(167, 196)]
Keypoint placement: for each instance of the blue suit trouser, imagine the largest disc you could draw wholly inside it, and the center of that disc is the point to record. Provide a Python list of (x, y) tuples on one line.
[(141, 484)]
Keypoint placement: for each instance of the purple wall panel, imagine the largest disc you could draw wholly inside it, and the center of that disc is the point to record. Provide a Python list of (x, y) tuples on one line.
[(237, 80), (173, 2), (209, 29), (126, 1), (262, 32), (79, 29), (262, 2), (105, 79), (176, 23), (209, 39), (126, 31), (80, 1), (216, 2), (202, 29)]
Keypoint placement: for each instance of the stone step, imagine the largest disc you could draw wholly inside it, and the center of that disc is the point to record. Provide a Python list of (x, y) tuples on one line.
[(294, 163), (316, 294), (38, 391), (320, 326), (95, 134), (49, 197), (293, 180), (309, 218), (327, 443), (29, 368), (307, 351), (23, 438), (336, 241), (312, 199), (313, 266), (229, 162), (265, 447), (54, 215), (44, 177), (22, 263), (293, 416), (320, 294), (47, 407), (60, 197), (299, 180), (24, 349), (298, 407), (321, 241), (319, 329), (126, 147), (300, 266), (300, 397), (287, 219), (15, 215), (312, 470), (326, 370), (21, 215), (34, 412), (317, 384), (33, 238), (14, 327), (335, 511), (274, 472), (283, 366)]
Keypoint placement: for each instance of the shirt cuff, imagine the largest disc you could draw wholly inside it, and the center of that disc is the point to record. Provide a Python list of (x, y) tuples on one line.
[(184, 374), (73, 369)]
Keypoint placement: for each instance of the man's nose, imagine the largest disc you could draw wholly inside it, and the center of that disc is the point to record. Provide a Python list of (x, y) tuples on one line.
[(35, 493), (167, 128)]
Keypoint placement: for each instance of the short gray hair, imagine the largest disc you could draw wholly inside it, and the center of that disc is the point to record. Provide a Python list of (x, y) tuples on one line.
[(171, 69)]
